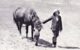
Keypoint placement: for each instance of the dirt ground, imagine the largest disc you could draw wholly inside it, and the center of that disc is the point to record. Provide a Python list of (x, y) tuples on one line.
[(10, 39)]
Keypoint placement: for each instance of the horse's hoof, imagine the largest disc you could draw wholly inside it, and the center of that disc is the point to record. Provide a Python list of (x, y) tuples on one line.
[(36, 44), (54, 46), (26, 36), (20, 33), (32, 39)]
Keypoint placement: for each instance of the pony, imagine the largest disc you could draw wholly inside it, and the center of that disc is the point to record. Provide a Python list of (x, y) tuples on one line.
[(29, 17)]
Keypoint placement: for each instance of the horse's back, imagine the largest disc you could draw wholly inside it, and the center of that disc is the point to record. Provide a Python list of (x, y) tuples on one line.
[(27, 15), (19, 12), (22, 12)]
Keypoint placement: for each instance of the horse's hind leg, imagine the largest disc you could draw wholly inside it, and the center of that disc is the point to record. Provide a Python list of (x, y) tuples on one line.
[(19, 26)]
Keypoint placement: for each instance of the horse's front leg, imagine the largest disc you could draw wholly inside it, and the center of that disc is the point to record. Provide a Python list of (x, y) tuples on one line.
[(26, 31), (36, 36), (32, 30)]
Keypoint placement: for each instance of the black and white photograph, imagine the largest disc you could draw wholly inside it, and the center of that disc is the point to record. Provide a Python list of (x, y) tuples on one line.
[(39, 25)]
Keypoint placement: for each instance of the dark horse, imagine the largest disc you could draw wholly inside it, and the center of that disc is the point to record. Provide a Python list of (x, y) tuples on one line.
[(28, 17)]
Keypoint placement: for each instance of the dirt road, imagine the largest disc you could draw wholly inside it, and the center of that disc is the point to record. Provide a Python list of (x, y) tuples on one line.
[(10, 39)]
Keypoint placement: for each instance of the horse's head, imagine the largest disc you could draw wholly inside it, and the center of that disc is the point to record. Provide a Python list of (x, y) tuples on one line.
[(35, 19), (37, 23)]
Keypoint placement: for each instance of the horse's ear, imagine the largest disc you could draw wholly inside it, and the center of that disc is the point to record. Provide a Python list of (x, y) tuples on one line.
[(34, 14)]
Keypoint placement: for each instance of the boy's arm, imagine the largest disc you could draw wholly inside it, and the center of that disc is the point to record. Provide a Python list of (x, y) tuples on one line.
[(47, 20)]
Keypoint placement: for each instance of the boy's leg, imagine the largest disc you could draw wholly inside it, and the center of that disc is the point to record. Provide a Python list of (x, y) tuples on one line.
[(55, 38)]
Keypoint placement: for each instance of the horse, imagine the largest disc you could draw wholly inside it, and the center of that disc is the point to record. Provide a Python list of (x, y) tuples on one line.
[(27, 16)]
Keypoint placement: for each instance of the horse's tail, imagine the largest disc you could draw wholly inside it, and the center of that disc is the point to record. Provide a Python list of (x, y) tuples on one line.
[(14, 16)]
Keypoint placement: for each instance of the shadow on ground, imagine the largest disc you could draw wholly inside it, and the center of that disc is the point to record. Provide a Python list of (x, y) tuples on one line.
[(42, 43), (69, 47), (46, 44)]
